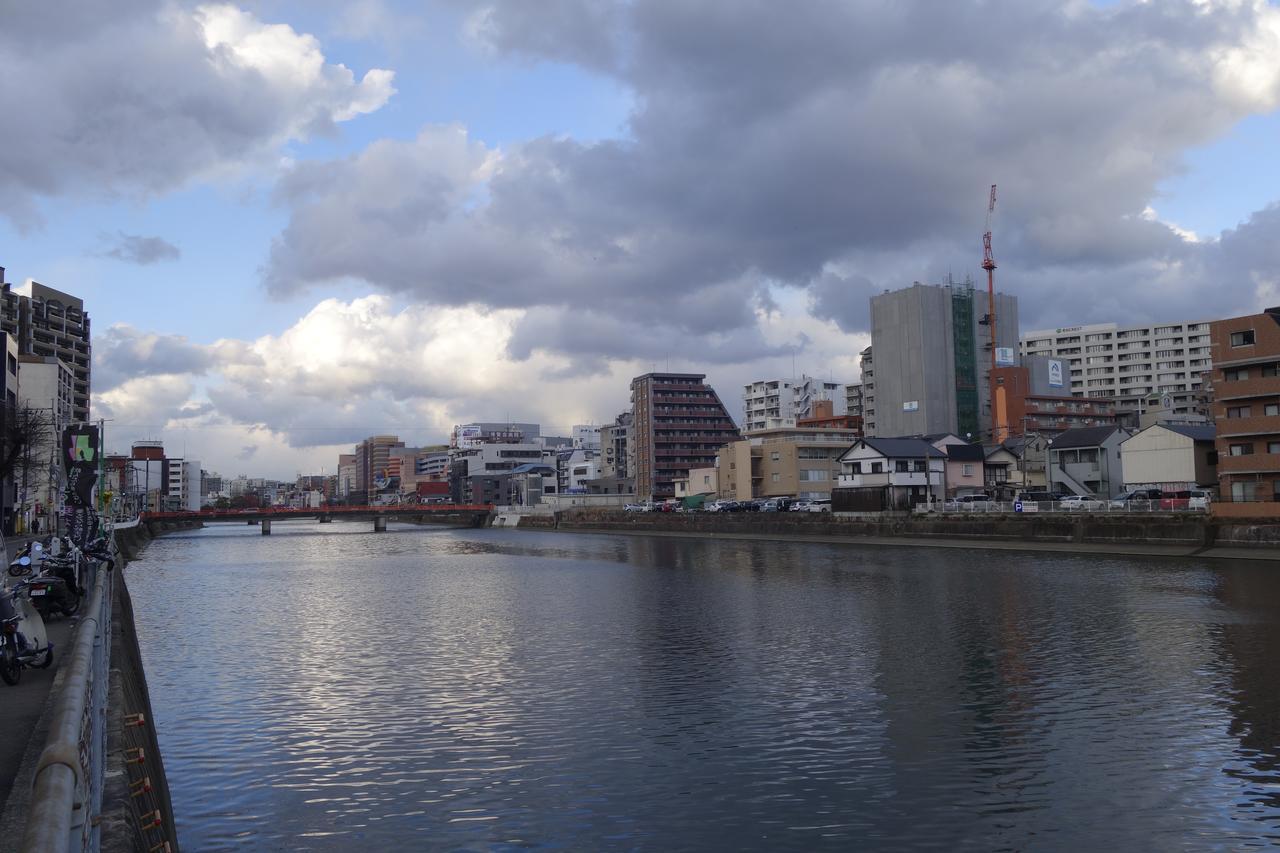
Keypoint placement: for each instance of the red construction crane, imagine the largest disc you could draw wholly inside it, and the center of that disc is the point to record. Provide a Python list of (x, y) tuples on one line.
[(989, 264)]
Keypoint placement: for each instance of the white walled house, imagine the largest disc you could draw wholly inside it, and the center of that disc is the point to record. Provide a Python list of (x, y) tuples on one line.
[(903, 472), (1170, 456)]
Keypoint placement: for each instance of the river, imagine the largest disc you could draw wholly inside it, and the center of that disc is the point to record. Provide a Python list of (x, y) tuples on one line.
[(328, 688)]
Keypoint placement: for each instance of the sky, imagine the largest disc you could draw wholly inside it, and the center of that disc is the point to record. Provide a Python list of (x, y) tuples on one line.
[(296, 224)]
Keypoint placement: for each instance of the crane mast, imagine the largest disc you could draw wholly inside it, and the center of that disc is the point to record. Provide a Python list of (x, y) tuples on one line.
[(989, 264)]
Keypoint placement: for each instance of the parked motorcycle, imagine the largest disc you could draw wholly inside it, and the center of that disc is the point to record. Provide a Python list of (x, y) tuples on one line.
[(54, 580), (24, 642)]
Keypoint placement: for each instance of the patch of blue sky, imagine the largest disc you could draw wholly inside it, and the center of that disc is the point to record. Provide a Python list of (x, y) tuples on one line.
[(1227, 181)]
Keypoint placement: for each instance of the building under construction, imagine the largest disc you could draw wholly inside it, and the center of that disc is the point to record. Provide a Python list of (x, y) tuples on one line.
[(933, 359)]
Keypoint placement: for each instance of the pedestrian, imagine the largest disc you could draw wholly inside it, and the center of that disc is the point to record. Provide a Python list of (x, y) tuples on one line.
[(35, 525)]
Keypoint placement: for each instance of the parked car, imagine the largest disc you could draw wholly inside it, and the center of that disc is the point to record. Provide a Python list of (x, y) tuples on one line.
[(1080, 502), (1136, 499), (820, 505), (969, 502), (635, 508), (1040, 496), (801, 505), (1185, 499), (770, 506)]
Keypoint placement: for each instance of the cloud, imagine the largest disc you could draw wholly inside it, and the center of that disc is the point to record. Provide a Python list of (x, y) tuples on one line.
[(349, 369), (840, 147), (137, 249), (153, 95), (123, 353)]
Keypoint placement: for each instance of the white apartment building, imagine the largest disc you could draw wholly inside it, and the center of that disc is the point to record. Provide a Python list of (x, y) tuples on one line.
[(1131, 363), (787, 398)]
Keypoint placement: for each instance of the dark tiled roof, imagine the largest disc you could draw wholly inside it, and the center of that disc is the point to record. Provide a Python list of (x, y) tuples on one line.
[(965, 452), (1083, 437), (1195, 432), (902, 447)]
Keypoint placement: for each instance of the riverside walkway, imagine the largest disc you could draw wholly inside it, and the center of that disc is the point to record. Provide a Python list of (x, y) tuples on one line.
[(23, 705)]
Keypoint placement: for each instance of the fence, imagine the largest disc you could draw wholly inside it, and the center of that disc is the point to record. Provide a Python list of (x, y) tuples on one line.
[(69, 776), (1083, 506)]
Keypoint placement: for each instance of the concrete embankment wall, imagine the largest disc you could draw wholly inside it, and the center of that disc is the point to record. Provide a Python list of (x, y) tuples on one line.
[(1185, 530), (136, 812)]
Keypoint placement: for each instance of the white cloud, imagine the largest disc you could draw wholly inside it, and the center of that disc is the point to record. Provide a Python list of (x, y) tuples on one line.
[(346, 370)]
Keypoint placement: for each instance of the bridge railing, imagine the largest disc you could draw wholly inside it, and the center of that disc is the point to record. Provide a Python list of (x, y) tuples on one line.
[(392, 509), (69, 777)]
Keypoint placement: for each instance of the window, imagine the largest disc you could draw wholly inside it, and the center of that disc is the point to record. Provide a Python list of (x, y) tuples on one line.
[(1235, 375), (966, 470), (918, 466), (855, 467), (775, 477), (1242, 449), (1242, 339), (901, 466), (1273, 446), (1238, 411), (1271, 409), (775, 456), (877, 467)]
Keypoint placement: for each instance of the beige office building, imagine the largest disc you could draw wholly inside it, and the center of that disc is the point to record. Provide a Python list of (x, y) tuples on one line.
[(801, 462)]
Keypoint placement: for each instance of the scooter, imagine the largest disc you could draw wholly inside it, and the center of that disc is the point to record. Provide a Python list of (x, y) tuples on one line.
[(23, 640), (54, 586)]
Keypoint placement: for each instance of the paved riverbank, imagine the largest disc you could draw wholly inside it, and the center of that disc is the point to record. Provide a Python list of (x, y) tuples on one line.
[(24, 704), (1164, 535)]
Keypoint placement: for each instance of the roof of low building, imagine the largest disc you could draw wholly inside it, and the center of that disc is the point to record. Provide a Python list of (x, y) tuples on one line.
[(902, 447), (965, 452), (1084, 437), (1195, 432)]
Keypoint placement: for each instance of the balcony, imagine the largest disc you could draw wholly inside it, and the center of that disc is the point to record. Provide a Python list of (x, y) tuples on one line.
[(893, 478), (1246, 389), (1259, 460), (1257, 425)]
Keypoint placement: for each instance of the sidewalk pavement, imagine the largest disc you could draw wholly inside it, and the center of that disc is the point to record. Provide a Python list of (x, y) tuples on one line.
[(23, 703)]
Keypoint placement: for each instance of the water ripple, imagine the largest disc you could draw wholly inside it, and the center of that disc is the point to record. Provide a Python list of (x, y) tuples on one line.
[(324, 688)]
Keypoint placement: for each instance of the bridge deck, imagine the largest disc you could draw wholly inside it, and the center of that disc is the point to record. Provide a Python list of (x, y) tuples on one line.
[(317, 512)]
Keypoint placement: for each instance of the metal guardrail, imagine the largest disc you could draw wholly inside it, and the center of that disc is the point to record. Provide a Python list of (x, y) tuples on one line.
[(1096, 505), (69, 776)]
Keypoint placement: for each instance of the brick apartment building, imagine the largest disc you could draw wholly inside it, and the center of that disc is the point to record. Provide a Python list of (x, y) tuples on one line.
[(1246, 412), (679, 423)]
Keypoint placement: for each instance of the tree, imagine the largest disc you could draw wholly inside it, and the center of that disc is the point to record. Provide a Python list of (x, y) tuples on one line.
[(26, 442)]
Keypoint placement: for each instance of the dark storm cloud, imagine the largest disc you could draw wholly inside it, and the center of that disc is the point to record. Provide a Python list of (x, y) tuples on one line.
[(139, 97), (137, 249), (773, 143)]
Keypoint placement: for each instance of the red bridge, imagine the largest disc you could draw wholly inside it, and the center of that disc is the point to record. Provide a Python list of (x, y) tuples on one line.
[(462, 515)]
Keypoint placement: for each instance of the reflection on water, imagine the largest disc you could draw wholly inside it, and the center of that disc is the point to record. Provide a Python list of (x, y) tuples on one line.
[(325, 687)]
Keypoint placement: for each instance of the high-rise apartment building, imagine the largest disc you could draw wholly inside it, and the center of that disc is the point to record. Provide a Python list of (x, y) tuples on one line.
[(48, 322), (933, 359), (679, 423), (1131, 363), (768, 401)]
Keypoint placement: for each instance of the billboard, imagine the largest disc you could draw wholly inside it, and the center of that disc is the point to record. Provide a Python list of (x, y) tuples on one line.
[(1055, 373), (80, 458), (1004, 357)]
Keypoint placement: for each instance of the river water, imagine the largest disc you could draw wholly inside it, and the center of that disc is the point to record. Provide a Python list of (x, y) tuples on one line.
[(328, 688)]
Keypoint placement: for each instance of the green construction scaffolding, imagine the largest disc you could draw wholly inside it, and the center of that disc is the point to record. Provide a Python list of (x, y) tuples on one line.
[(962, 330)]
